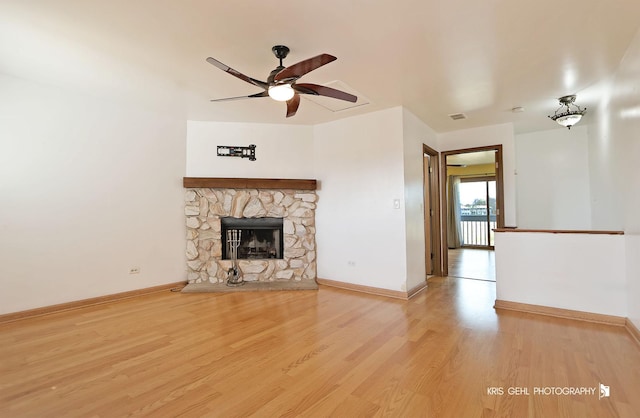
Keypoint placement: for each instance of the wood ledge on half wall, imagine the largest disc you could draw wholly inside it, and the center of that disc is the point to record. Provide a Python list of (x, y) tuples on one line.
[(248, 183), (560, 231)]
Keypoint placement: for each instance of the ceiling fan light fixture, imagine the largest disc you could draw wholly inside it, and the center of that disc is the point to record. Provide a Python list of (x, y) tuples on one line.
[(572, 113), (281, 92), (281, 84)]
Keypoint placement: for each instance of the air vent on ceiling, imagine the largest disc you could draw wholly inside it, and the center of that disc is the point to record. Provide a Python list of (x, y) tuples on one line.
[(458, 116)]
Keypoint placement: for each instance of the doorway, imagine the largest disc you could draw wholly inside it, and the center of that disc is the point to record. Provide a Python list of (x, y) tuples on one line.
[(477, 208), (472, 209), (431, 193)]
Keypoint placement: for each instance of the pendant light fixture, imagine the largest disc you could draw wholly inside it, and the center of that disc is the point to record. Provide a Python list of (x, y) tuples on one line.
[(568, 114)]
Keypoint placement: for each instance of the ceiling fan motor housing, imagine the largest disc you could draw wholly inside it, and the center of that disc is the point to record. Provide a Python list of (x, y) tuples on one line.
[(281, 52)]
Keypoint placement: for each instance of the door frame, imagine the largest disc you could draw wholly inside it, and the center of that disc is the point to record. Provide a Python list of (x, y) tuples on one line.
[(443, 196), (431, 202)]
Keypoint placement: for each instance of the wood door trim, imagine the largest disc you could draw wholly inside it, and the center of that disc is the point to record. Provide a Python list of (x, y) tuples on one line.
[(435, 196), (443, 198)]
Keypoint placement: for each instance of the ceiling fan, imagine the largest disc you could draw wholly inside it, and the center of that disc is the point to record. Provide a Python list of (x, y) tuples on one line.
[(281, 85)]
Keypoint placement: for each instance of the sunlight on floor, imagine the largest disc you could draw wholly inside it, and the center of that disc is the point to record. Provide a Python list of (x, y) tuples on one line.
[(472, 263)]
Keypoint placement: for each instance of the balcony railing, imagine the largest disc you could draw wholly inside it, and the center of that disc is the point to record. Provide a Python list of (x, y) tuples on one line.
[(476, 231)]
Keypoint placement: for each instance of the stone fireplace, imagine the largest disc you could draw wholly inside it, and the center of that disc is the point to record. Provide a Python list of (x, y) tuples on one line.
[(277, 218)]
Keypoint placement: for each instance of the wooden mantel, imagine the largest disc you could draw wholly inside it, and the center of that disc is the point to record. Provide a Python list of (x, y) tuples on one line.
[(247, 183)]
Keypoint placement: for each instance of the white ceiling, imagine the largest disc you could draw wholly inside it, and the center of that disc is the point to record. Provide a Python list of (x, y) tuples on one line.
[(434, 57)]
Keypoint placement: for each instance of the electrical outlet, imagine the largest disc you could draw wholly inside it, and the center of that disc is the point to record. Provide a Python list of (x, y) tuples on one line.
[(134, 270), (351, 263)]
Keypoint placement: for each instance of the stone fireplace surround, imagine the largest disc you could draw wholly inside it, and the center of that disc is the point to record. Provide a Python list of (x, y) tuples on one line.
[(207, 200)]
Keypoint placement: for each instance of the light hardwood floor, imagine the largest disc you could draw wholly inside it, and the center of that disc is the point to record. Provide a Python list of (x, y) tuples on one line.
[(305, 353), (472, 263)]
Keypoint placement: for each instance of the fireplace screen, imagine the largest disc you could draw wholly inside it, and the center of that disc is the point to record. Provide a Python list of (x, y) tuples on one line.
[(259, 238)]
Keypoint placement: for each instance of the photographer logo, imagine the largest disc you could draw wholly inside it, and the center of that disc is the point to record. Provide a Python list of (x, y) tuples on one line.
[(604, 391)]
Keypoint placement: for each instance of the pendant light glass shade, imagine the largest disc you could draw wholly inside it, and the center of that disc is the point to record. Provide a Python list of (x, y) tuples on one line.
[(569, 120)]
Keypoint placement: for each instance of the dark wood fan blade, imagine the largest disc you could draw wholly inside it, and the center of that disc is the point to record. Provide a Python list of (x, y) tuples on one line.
[(229, 99), (292, 105), (238, 74), (295, 71), (318, 90)]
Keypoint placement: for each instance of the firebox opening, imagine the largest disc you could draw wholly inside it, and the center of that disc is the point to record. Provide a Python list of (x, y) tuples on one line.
[(260, 238)]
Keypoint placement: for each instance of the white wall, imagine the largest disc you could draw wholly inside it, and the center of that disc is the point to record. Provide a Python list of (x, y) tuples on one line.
[(89, 187), (282, 151), (605, 171), (360, 236), (632, 247), (484, 136), (583, 272), (609, 281), (362, 164), (415, 134), (553, 179), (614, 140)]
